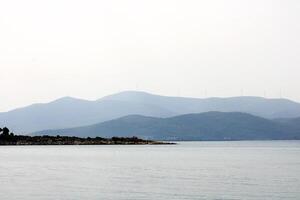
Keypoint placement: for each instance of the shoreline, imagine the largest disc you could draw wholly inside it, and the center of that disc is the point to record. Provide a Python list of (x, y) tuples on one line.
[(21, 140)]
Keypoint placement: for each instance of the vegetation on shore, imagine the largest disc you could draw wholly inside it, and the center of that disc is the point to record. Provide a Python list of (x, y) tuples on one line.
[(7, 138)]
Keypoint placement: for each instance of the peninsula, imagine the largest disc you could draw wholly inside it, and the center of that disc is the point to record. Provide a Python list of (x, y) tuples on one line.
[(7, 138)]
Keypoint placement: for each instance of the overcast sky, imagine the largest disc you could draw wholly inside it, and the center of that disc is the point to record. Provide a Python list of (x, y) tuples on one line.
[(91, 48)]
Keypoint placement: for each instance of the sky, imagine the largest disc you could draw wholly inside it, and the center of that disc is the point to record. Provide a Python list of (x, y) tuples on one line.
[(91, 48)]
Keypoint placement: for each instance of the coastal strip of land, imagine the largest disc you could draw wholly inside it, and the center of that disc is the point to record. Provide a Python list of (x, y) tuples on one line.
[(7, 138), (65, 140)]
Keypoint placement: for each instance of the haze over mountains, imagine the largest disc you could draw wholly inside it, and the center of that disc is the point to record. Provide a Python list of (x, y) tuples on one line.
[(71, 112)]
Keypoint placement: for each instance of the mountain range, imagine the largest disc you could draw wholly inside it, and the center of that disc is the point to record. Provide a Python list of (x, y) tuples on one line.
[(72, 112), (203, 126)]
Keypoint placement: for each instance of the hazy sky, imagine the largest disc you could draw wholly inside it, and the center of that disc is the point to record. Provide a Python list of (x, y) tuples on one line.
[(91, 48)]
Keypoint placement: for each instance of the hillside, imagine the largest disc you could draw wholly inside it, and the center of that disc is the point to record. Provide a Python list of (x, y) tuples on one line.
[(71, 112), (204, 126), (292, 122)]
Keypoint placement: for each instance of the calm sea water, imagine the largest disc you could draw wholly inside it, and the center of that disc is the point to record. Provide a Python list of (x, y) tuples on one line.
[(189, 170)]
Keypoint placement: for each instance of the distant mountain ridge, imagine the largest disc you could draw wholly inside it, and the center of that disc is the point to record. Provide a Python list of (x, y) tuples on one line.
[(203, 126), (267, 108), (71, 112)]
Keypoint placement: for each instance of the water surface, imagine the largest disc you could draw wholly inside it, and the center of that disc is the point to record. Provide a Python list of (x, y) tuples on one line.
[(189, 170)]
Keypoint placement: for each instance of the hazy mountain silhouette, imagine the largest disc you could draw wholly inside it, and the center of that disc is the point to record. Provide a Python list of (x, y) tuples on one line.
[(71, 112), (267, 108), (204, 126)]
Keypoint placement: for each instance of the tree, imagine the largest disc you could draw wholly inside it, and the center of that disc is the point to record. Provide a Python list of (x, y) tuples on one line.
[(1, 130), (5, 131)]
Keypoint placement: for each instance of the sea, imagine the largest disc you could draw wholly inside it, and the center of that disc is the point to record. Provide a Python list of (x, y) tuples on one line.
[(188, 170)]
